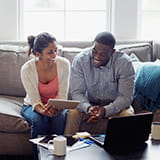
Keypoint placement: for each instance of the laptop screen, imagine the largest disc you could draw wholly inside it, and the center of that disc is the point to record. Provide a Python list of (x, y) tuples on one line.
[(127, 131)]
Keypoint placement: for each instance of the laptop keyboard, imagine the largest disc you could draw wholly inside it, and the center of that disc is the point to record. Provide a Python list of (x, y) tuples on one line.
[(100, 138)]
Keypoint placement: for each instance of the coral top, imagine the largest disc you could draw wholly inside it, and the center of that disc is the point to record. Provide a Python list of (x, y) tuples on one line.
[(49, 90)]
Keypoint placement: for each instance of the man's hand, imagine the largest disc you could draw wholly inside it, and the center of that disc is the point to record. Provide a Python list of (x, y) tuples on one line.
[(95, 113)]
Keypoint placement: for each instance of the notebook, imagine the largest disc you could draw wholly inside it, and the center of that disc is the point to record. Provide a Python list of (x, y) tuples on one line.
[(125, 133)]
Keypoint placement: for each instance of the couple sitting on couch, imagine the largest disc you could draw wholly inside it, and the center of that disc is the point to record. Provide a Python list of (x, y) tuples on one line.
[(102, 79)]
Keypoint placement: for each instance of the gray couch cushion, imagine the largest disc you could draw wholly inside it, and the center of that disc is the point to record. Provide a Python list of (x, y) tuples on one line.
[(70, 53), (10, 119), (12, 124), (15, 144), (142, 50), (11, 59)]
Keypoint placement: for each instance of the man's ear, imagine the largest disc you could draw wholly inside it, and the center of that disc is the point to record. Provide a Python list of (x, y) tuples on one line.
[(113, 50)]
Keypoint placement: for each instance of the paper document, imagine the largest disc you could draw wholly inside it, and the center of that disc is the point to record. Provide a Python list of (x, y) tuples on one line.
[(37, 141), (78, 145), (75, 146)]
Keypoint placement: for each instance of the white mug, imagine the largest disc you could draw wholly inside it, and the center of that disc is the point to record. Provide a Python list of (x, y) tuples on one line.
[(155, 130), (59, 145)]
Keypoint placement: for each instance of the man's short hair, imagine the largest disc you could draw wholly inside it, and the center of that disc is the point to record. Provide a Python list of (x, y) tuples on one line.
[(105, 38)]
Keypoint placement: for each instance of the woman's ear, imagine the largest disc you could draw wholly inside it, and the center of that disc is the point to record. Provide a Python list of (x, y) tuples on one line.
[(38, 54)]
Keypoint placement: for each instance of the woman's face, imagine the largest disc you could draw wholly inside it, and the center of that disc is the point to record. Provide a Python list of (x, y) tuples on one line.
[(48, 54), (101, 54)]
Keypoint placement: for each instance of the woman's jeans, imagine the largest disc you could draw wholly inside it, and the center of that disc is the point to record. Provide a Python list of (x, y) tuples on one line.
[(43, 125)]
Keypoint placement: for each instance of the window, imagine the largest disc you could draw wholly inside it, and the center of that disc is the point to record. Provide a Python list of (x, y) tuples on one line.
[(150, 26), (65, 19)]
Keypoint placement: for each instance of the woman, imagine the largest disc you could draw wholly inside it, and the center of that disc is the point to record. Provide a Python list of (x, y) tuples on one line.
[(43, 77)]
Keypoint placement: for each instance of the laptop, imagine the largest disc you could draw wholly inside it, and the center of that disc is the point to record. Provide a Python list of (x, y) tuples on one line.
[(126, 133)]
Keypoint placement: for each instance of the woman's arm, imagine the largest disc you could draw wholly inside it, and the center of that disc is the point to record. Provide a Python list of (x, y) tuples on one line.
[(29, 80), (63, 71)]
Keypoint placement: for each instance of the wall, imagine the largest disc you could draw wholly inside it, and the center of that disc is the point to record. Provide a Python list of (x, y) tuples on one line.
[(8, 18), (125, 20), (124, 24)]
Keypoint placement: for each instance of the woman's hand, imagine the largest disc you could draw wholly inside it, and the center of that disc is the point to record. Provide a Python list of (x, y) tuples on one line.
[(41, 109), (47, 110), (52, 110)]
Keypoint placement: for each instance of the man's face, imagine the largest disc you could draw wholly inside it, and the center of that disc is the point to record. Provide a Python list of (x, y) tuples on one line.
[(101, 54)]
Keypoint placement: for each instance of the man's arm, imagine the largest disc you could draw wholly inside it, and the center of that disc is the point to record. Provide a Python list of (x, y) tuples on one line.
[(78, 85), (125, 74)]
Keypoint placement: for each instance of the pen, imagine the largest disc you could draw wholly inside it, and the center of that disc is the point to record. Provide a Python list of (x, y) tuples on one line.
[(86, 141)]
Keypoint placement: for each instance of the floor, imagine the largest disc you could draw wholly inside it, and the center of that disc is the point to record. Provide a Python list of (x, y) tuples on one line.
[(16, 158)]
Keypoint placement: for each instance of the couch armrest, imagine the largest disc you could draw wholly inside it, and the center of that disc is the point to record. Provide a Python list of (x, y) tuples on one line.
[(11, 105)]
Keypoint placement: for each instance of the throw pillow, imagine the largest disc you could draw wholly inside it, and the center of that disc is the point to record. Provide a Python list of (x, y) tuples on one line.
[(137, 63)]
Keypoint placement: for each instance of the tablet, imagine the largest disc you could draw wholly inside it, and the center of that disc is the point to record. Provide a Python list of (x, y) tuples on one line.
[(63, 103)]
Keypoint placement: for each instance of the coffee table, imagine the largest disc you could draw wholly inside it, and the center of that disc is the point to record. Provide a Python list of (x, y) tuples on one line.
[(95, 152)]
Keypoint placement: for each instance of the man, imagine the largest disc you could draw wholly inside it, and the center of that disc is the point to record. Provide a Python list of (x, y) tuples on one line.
[(102, 79)]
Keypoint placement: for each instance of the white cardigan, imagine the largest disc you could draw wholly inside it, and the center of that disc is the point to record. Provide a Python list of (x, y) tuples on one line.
[(29, 77)]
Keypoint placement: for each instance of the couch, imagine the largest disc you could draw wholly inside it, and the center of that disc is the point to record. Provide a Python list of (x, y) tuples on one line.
[(14, 129)]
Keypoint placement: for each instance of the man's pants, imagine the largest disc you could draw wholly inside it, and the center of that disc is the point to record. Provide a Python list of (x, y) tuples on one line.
[(76, 122)]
